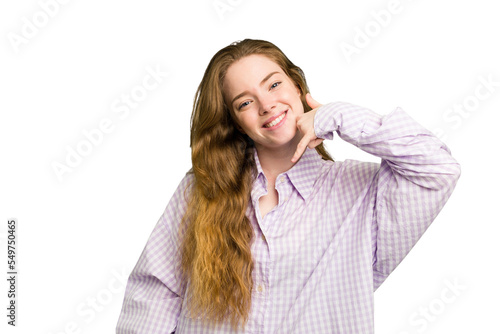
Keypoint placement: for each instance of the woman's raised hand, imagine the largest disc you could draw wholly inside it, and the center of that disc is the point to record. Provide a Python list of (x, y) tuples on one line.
[(305, 124)]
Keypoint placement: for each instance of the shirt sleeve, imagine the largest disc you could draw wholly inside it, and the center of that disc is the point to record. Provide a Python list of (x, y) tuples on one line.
[(416, 177), (153, 301)]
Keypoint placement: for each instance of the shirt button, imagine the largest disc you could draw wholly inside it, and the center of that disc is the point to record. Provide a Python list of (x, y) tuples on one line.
[(282, 179), (260, 288)]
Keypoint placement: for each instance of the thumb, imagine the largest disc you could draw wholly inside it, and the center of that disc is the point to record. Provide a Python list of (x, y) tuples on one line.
[(312, 102)]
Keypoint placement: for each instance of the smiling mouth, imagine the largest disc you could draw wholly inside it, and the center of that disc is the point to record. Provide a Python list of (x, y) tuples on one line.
[(276, 121)]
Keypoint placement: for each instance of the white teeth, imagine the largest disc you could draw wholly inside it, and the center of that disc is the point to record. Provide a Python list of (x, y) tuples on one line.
[(276, 121)]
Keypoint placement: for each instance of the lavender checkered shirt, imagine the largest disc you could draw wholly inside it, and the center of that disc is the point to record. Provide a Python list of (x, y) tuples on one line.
[(339, 230)]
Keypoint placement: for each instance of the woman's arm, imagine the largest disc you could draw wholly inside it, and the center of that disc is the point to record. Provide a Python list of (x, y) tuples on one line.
[(417, 175), (152, 302)]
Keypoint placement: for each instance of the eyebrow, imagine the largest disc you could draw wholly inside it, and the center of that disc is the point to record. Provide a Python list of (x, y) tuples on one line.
[(261, 83)]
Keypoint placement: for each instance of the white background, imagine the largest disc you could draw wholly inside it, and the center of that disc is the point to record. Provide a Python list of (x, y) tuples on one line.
[(80, 235)]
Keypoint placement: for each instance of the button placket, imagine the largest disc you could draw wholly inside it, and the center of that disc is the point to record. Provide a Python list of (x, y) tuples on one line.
[(283, 189)]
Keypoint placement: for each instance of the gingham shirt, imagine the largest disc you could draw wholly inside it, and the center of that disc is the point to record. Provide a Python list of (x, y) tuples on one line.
[(339, 230)]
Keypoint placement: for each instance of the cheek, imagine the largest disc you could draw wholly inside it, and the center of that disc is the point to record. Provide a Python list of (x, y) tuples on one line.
[(244, 122), (296, 104), (248, 120), (236, 121), (291, 94)]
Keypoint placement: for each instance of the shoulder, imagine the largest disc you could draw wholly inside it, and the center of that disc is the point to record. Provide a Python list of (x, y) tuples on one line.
[(177, 205), (349, 167), (362, 169), (185, 185), (350, 173)]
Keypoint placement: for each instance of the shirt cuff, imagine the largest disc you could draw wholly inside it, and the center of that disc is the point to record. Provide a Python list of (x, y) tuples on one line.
[(350, 121), (324, 124)]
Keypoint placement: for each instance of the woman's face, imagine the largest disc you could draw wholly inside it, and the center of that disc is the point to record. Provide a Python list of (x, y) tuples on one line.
[(264, 102)]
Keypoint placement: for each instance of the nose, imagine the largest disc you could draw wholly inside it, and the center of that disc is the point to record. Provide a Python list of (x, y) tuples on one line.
[(267, 104)]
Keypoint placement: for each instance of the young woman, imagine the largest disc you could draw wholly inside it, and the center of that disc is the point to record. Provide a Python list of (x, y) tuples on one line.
[(266, 233)]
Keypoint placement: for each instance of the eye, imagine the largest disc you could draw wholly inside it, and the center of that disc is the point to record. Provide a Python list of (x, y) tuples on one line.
[(244, 104), (276, 84)]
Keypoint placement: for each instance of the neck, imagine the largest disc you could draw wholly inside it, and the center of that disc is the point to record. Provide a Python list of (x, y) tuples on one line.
[(277, 161)]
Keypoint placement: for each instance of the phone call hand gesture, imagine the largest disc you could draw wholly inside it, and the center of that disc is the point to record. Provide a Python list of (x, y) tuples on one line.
[(305, 124)]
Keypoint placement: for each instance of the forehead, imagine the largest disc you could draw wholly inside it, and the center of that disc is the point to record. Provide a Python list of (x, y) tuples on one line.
[(248, 72)]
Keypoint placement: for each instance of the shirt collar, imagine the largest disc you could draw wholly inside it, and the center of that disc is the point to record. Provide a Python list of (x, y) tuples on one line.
[(302, 175)]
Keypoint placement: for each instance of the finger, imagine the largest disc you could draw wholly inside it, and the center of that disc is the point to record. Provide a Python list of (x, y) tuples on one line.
[(312, 102)]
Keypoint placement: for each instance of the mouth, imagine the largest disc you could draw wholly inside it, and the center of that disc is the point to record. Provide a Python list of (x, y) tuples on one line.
[(276, 121)]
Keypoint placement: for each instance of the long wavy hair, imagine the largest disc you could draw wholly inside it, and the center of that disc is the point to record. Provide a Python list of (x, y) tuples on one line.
[(216, 260)]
